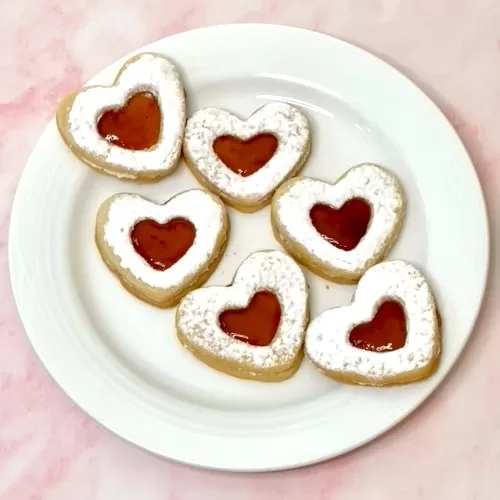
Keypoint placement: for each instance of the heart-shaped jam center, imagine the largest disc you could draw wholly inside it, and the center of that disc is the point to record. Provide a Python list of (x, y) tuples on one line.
[(162, 245), (256, 324), (136, 126), (245, 157), (343, 227), (385, 332)]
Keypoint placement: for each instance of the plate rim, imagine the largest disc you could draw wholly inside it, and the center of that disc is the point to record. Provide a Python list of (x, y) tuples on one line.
[(16, 281)]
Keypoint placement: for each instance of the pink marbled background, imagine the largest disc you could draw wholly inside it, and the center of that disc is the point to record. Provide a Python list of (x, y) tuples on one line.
[(449, 449)]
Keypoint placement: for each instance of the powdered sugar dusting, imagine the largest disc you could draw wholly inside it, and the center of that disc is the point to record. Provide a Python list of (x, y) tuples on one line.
[(287, 123), (197, 206), (327, 338), (370, 182), (144, 73), (198, 313)]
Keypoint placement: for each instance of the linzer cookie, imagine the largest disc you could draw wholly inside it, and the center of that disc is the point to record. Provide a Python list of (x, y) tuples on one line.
[(132, 129), (254, 328), (388, 335), (160, 252), (245, 161), (339, 231)]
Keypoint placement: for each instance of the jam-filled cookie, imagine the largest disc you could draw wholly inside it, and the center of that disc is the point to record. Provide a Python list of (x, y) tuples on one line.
[(254, 328), (132, 129), (339, 230), (160, 252), (244, 161), (389, 334)]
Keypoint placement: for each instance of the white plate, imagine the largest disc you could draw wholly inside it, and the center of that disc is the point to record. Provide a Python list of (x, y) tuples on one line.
[(120, 360)]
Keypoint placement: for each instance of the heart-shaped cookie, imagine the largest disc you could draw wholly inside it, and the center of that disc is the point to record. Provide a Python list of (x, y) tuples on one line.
[(253, 328), (160, 252), (341, 230), (245, 161), (132, 129), (388, 335)]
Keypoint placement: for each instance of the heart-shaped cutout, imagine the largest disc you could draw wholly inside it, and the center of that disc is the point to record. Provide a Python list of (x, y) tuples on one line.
[(338, 340), (136, 126), (343, 227), (245, 157), (132, 129), (385, 332), (206, 316), (162, 245), (244, 161), (161, 251), (255, 324), (339, 230)]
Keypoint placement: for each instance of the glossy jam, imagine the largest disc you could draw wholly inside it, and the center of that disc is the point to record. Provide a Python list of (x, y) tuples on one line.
[(136, 126), (162, 245), (343, 227), (256, 324), (385, 332), (245, 157)]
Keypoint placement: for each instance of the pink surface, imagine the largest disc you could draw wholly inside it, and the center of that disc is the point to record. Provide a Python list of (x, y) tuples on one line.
[(449, 449)]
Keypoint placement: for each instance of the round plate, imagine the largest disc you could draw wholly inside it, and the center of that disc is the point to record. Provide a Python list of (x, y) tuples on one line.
[(120, 360)]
